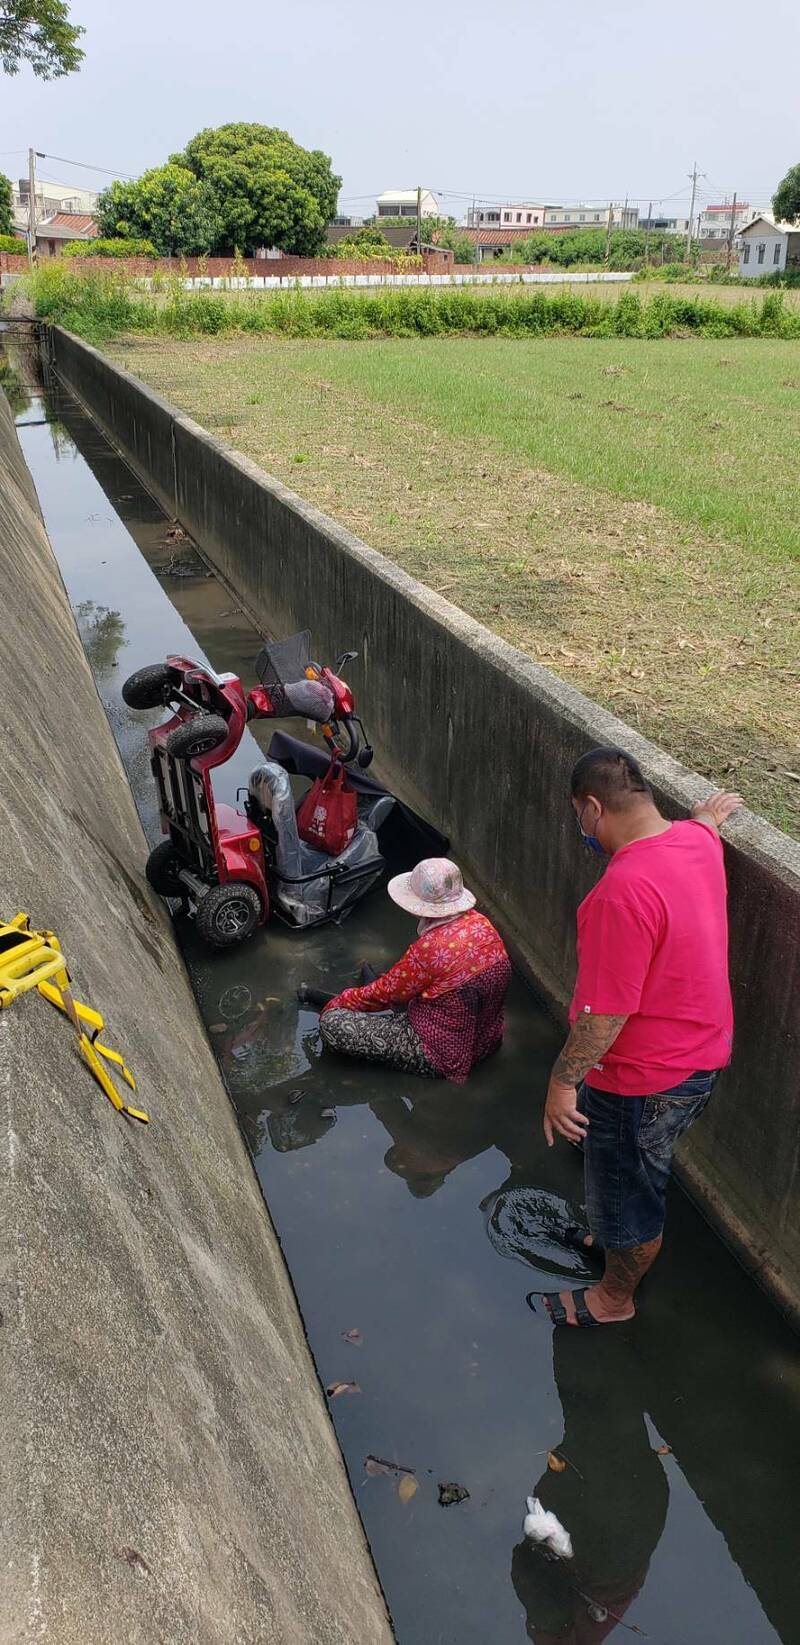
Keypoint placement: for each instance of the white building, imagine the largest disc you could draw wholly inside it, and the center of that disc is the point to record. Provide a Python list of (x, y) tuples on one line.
[(540, 214), (591, 216), (766, 247), (402, 202), (664, 225), (514, 215), (714, 222), (51, 198)]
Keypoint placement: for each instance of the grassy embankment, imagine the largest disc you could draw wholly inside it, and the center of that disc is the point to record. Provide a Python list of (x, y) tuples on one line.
[(99, 305), (621, 510)]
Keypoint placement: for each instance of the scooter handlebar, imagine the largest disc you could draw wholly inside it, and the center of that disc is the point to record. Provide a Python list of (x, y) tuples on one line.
[(350, 750)]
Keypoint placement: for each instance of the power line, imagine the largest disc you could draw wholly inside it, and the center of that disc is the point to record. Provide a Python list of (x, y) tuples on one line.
[(83, 165)]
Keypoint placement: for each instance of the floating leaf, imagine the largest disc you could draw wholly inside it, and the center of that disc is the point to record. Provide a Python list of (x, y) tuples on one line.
[(555, 1463), (353, 1336), (407, 1488), (335, 1388), (664, 1451)]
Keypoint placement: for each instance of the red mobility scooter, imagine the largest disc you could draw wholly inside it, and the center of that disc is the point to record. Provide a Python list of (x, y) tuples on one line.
[(234, 869)]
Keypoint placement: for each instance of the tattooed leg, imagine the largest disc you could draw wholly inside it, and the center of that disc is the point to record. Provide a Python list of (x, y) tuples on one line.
[(612, 1298)]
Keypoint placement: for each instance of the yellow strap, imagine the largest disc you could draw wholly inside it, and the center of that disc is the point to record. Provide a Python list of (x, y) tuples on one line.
[(29, 964), (114, 1056), (89, 1053), (92, 1018)]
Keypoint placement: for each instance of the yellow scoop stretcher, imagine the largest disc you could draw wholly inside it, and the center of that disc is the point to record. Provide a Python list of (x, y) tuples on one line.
[(33, 959)]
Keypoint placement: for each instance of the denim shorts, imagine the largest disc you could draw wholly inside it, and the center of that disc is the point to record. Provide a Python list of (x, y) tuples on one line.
[(627, 1156)]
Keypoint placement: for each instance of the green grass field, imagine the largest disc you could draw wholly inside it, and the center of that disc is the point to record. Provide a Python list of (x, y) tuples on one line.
[(623, 510)]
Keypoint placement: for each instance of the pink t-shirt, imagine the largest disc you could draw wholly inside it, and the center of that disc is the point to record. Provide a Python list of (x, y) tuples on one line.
[(653, 946)]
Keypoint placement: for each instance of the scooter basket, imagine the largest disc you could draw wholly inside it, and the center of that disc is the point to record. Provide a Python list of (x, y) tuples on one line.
[(280, 662)]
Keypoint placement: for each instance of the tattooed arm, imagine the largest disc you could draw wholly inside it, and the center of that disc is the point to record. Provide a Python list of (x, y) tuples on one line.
[(589, 1039)]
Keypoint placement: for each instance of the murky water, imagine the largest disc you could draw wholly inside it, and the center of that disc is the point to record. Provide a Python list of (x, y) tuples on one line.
[(418, 1217)]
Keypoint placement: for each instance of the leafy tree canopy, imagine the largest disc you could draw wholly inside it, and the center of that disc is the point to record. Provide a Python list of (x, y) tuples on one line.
[(266, 189), (454, 239), (167, 205), (786, 199), (39, 32), (6, 220), (627, 247), (365, 238)]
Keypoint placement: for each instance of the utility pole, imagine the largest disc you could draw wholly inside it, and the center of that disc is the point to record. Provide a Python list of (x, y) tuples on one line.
[(477, 227), (647, 231), (694, 175), (419, 221), (31, 207), (608, 231), (731, 232)]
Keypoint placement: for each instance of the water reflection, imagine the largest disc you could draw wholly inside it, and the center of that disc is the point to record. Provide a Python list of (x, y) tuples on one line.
[(102, 633), (612, 1496), (12, 383)]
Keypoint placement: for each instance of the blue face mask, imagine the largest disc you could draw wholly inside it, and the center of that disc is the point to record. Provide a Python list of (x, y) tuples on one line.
[(589, 840)]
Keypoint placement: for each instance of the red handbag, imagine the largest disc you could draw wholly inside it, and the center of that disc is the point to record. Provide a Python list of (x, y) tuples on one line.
[(328, 814)]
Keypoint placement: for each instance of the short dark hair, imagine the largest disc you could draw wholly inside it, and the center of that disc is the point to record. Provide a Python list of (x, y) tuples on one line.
[(612, 776)]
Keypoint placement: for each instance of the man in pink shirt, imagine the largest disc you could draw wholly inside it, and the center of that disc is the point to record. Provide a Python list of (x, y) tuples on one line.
[(651, 1019)]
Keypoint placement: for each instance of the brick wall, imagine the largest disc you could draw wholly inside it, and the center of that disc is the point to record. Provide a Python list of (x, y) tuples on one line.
[(438, 262)]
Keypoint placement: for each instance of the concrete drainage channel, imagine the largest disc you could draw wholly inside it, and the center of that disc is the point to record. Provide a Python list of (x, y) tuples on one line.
[(414, 1222)]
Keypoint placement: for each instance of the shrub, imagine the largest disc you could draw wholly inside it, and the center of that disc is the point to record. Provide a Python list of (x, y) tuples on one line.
[(118, 247), (100, 303), (672, 273), (13, 245)]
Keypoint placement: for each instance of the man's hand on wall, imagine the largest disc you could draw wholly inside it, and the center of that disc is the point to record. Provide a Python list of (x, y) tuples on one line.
[(718, 808)]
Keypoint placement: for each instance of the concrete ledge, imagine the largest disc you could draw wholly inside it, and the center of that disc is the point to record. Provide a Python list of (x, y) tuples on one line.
[(169, 1470), (483, 741)]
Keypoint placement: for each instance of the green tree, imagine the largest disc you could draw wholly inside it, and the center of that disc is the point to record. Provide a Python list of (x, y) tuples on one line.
[(627, 247), (452, 238), (786, 199), (167, 205), (39, 32), (363, 242), (6, 219), (266, 189)]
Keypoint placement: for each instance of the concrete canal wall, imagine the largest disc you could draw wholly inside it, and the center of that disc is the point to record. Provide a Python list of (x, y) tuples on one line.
[(483, 740), (168, 1469)]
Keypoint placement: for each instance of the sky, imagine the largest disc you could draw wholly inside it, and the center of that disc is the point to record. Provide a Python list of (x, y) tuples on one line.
[(513, 100)]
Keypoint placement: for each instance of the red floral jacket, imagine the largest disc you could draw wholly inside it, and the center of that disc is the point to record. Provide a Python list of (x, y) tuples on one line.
[(454, 981)]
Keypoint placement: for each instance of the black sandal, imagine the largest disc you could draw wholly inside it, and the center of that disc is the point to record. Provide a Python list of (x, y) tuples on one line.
[(552, 1308)]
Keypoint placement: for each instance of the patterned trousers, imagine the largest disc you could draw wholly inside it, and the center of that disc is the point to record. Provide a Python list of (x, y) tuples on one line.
[(377, 1036)]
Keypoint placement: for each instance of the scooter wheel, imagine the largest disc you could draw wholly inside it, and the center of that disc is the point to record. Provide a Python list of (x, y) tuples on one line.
[(196, 736), (228, 914), (150, 687), (161, 869)]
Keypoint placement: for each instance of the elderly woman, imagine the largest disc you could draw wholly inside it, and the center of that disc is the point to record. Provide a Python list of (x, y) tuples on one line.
[(441, 1005)]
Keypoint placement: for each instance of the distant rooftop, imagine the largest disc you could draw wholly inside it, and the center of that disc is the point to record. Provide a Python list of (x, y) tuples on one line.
[(68, 225)]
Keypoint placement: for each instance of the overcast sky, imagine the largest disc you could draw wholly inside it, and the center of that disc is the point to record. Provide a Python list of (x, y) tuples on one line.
[(512, 99)]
